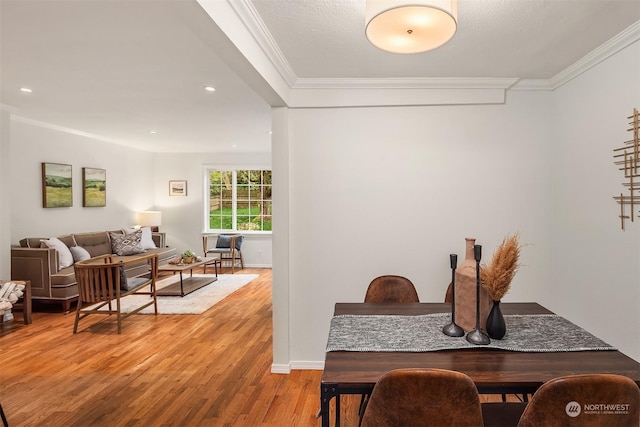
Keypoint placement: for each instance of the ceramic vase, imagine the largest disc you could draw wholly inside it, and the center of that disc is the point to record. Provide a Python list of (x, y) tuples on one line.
[(465, 296), (496, 328)]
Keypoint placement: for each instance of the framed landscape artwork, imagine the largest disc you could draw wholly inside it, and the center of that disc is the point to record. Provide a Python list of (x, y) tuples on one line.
[(94, 187), (177, 188), (56, 185)]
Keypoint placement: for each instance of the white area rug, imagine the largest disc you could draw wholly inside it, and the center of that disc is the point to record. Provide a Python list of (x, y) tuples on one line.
[(196, 302)]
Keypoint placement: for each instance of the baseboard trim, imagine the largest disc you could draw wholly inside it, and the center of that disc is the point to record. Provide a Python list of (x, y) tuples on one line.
[(303, 365), (280, 369), (307, 365)]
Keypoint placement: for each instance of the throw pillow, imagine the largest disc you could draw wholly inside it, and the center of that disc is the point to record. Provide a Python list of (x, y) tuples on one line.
[(147, 241), (65, 259), (224, 241), (126, 244), (79, 253)]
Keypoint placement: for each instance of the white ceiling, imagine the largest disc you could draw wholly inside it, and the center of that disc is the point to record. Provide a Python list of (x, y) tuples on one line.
[(117, 69)]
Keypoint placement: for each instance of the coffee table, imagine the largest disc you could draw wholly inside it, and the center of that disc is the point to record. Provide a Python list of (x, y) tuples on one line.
[(186, 285)]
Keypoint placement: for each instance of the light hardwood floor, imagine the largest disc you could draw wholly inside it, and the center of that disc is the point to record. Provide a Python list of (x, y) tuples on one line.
[(167, 370)]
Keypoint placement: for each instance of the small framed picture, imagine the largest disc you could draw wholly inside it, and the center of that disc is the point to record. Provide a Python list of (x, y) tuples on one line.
[(94, 185), (177, 188), (56, 186)]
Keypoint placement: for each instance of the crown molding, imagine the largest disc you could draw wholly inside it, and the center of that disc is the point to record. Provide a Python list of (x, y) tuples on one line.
[(406, 83), (596, 56), (593, 58), (532, 84), (249, 16)]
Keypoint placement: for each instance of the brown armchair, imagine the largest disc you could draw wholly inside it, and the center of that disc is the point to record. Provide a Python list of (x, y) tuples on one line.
[(102, 281), (423, 397), (564, 402)]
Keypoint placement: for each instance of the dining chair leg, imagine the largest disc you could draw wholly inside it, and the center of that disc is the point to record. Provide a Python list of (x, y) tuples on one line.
[(4, 418)]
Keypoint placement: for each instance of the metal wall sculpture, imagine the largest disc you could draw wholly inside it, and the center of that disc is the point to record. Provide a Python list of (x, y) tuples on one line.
[(627, 158)]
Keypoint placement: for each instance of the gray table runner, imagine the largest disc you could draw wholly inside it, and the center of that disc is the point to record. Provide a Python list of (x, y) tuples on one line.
[(387, 333)]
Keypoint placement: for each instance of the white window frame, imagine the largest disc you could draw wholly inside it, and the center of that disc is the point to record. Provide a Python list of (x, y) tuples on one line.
[(234, 196)]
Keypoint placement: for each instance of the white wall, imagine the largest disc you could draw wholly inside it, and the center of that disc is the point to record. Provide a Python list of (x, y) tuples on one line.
[(395, 190), (129, 178), (5, 200), (183, 216), (595, 268)]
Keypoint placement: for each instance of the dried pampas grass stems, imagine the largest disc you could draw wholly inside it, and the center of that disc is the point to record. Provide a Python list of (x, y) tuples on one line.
[(497, 276)]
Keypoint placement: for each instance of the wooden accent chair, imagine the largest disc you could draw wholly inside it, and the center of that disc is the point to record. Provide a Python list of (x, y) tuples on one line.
[(391, 288), (423, 397), (228, 246), (101, 281), (560, 402)]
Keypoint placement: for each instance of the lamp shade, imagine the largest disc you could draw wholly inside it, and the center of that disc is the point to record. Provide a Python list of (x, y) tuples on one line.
[(150, 218), (407, 26)]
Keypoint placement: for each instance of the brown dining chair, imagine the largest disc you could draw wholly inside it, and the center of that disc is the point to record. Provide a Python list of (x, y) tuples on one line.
[(595, 400), (388, 288), (423, 397), (391, 288)]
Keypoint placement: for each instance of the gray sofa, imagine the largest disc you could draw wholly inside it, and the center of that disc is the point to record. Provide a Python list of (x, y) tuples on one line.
[(30, 261)]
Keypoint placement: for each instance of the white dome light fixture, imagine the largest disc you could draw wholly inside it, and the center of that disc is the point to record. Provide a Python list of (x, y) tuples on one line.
[(408, 26)]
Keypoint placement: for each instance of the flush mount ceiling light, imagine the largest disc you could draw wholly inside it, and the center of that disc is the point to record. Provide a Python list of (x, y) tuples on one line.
[(408, 26)]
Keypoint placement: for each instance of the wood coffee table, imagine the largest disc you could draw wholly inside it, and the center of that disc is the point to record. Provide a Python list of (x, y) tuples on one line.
[(188, 284)]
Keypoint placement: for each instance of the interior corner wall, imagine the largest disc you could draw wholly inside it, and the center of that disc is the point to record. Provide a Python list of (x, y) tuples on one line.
[(595, 269), (129, 182), (183, 216), (5, 201), (395, 190)]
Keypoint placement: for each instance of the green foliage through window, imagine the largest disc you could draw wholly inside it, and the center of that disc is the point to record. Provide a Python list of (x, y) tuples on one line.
[(240, 200)]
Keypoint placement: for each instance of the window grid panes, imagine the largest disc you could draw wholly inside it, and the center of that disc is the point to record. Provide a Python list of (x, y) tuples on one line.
[(239, 200)]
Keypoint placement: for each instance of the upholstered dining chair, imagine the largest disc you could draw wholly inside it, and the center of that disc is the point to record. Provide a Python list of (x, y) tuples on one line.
[(228, 246), (423, 397), (578, 400), (102, 282), (388, 288), (391, 288)]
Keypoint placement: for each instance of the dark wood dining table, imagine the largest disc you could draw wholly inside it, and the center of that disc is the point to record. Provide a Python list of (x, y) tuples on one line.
[(494, 371)]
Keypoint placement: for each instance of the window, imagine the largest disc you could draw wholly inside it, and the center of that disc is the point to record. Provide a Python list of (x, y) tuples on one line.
[(239, 200)]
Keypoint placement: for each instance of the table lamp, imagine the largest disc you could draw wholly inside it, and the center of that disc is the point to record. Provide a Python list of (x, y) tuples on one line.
[(151, 219)]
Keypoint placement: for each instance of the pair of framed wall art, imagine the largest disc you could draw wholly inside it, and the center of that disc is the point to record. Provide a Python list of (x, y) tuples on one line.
[(57, 186)]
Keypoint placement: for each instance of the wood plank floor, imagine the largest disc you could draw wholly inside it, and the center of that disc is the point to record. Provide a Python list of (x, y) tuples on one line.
[(167, 370)]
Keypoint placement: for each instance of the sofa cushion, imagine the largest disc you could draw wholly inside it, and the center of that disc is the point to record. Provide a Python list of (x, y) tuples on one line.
[(65, 259), (126, 244), (64, 277), (79, 253), (96, 243)]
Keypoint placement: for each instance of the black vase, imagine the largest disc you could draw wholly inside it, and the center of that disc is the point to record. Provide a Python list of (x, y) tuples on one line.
[(496, 327)]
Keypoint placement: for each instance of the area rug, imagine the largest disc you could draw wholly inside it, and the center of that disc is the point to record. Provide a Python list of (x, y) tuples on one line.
[(196, 302)]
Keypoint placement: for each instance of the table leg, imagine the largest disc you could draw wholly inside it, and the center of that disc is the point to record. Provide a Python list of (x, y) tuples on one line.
[(181, 288), (327, 392), (26, 303)]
